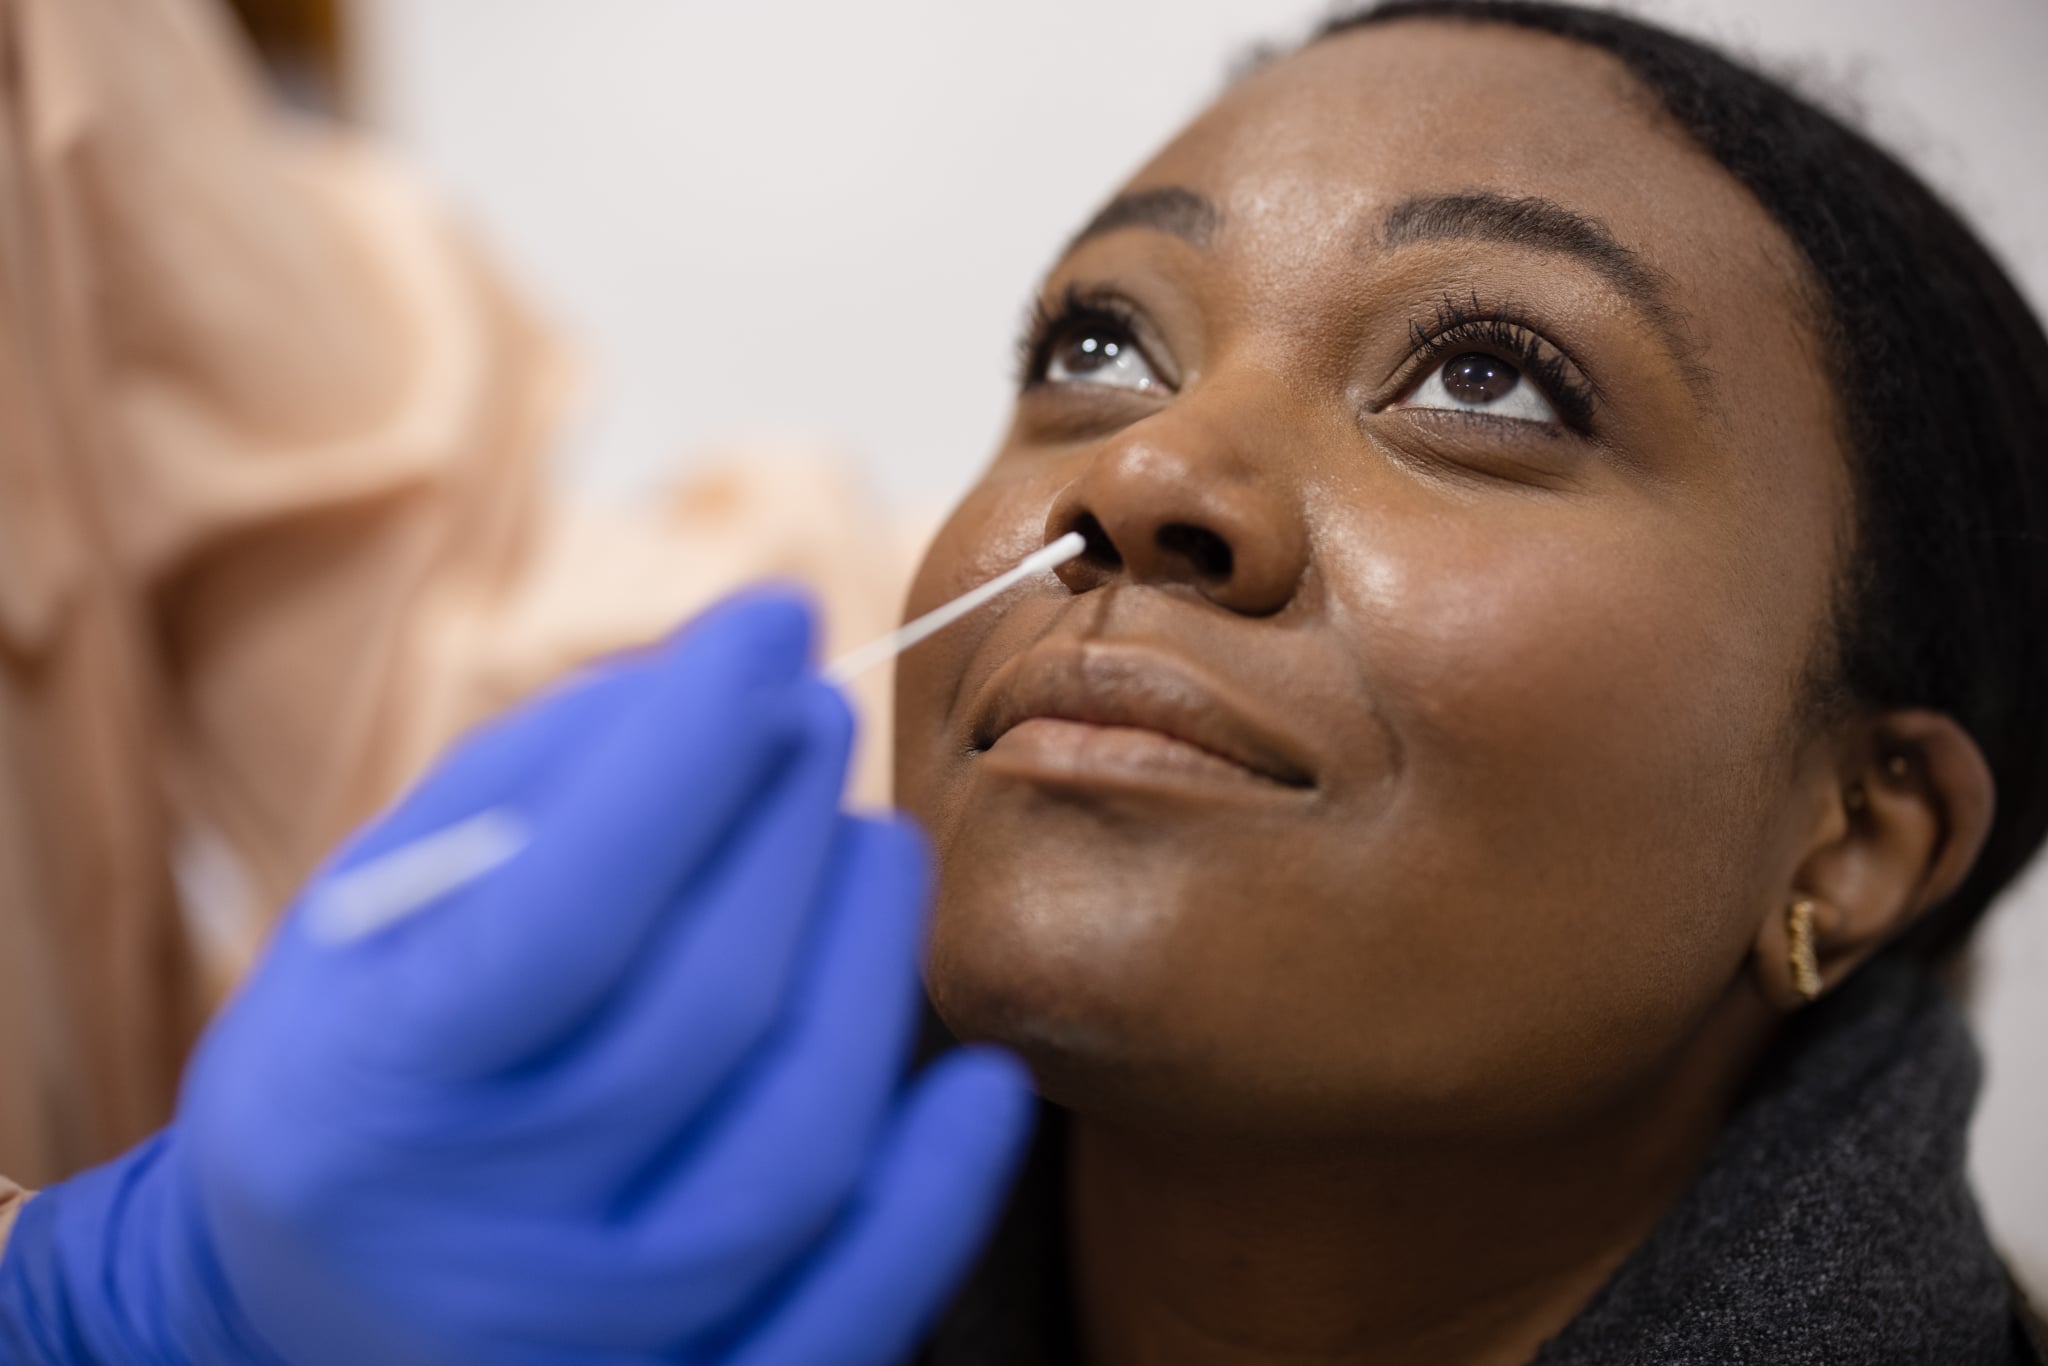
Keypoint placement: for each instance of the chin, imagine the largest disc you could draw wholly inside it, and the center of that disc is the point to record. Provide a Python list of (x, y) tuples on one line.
[(1032, 985), (1068, 997), (1094, 1006)]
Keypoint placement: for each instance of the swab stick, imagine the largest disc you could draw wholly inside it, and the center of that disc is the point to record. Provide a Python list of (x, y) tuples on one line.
[(413, 876), (903, 637)]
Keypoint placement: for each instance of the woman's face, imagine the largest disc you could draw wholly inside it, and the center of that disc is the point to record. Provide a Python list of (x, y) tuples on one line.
[(1418, 745)]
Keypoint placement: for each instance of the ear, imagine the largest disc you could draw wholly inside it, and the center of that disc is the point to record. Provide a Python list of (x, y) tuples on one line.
[(1910, 807)]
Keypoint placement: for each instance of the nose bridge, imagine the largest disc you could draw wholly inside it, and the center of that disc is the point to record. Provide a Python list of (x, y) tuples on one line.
[(1200, 494)]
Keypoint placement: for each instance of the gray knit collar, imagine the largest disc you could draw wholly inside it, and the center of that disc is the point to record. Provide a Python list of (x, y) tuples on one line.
[(1833, 1222)]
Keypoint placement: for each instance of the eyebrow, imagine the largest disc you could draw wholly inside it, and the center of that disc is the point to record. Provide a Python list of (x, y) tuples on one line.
[(1169, 209), (1545, 225), (1477, 215)]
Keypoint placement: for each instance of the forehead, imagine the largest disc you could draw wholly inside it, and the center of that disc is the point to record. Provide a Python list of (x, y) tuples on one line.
[(1307, 155), (1387, 110)]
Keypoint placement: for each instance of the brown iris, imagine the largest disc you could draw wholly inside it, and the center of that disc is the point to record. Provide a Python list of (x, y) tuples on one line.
[(1478, 378)]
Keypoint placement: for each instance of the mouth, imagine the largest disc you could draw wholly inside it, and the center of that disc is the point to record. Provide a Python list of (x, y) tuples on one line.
[(1093, 713)]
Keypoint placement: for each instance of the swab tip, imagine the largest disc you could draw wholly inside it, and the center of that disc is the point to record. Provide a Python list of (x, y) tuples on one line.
[(1058, 552)]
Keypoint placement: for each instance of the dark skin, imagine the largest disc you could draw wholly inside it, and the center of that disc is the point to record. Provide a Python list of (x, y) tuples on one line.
[(1381, 840)]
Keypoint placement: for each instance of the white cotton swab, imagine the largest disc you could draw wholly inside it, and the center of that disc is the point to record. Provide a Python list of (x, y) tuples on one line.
[(395, 884), (848, 666)]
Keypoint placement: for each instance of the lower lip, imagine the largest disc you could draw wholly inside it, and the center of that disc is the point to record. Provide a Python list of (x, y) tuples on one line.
[(1079, 752)]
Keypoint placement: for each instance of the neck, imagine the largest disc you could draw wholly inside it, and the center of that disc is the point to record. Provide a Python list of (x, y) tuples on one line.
[(1366, 1252)]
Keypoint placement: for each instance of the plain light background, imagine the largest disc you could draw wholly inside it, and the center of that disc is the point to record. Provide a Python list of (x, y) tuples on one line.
[(818, 222)]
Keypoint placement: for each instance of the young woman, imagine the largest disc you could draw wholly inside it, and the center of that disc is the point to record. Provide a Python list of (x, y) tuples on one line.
[(1557, 663), (1464, 852)]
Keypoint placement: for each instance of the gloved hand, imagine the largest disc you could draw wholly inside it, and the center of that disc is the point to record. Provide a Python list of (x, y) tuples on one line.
[(634, 1096)]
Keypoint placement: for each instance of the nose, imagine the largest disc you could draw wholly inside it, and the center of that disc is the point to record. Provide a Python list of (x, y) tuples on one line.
[(1175, 500)]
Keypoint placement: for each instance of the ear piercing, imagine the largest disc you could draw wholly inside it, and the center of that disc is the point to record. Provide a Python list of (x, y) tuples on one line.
[(1800, 955)]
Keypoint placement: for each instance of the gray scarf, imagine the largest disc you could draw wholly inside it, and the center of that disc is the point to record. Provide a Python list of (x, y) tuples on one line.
[(1831, 1226)]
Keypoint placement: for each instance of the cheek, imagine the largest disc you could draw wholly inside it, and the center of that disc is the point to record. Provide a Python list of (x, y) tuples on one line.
[(1607, 656), (999, 521), (1584, 712)]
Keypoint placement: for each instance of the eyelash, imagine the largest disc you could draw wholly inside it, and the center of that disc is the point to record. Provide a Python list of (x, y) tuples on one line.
[(1048, 323), (1461, 325)]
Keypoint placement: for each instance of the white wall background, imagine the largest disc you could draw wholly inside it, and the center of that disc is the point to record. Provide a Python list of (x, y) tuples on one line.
[(816, 220)]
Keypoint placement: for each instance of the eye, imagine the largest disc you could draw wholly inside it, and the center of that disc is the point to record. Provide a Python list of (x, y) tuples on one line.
[(1085, 337), (1097, 351), (1477, 382)]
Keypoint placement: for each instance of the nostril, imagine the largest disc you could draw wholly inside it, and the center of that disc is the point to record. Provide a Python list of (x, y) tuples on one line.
[(1101, 551), (1200, 547)]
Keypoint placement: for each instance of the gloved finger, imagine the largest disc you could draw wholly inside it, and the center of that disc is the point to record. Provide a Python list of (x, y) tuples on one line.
[(928, 1193), (694, 1248), (778, 1164), (498, 764), (500, 976), (934, 1191), (530, 1145), (714, 981), (482, 1347)]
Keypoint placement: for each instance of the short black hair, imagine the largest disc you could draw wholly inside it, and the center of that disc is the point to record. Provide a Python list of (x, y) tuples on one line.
[(1942, 373)]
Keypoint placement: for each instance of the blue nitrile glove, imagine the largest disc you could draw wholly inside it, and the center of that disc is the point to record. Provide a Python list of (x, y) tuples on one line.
[(635, 1096)]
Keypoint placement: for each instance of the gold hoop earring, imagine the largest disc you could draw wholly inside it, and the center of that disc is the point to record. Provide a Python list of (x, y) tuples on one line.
[(1799, 933)]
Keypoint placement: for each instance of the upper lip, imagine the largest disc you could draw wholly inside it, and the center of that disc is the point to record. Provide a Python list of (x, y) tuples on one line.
[(1116, 685)]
